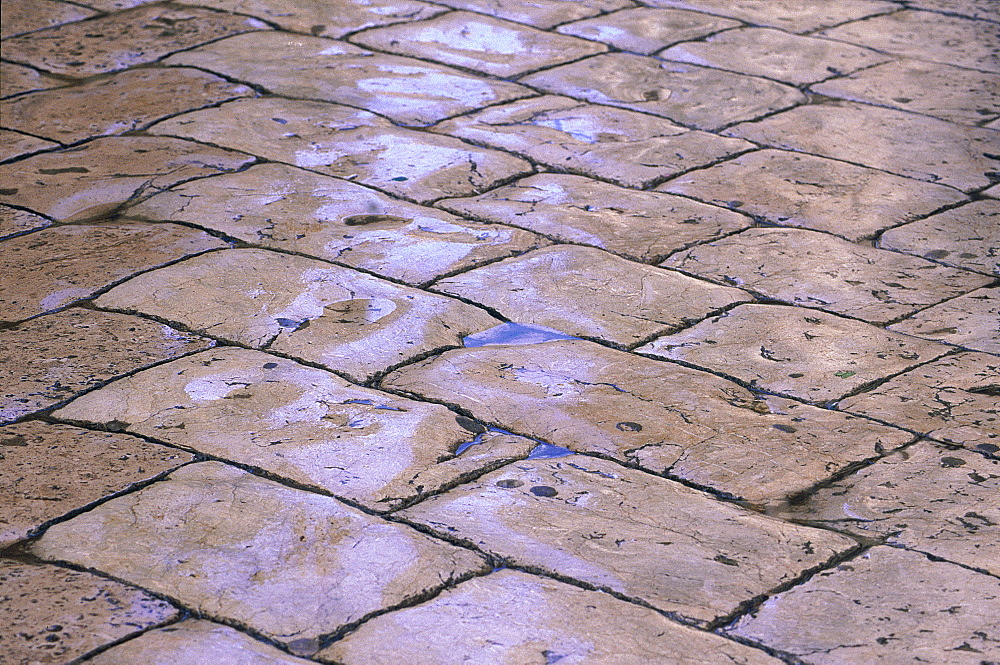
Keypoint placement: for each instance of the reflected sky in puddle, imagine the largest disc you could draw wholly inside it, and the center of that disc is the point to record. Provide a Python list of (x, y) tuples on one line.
[(515, 333)]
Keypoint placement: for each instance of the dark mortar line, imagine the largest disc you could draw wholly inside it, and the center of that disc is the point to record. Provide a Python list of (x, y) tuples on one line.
[(600, 14), (898, 56), (783, 656), (500, 182), (814, 31), (458, 481), (954, 13), (940, 559), (182, 615), (990, 285), (400, 22), (877, 236), (685, 324), (512, 254), (661, 180)]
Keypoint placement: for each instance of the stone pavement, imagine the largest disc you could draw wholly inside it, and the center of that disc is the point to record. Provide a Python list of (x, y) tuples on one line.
[(500, 332)]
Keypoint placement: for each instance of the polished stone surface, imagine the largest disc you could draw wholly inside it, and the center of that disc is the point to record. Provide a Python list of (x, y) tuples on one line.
[(645, 30)]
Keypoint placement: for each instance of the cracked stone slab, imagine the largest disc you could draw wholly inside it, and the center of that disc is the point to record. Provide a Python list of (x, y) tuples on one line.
[(338, 317), (54, 615), (408, 91), (794, 189), (886, 606), (481, 43), (14, 221), (683, 93), (660, 416), (643, 226), (585, 292), (300, 423), (52, 470), (644, 30), (18, 78), (632, 149), (289, 564), (802, 353), (510, 617), (351, 144), (539, 13), (967, 237), (15, 144), (20, 17), (620, 529), (902, 143), (790, 15), (971, 320)]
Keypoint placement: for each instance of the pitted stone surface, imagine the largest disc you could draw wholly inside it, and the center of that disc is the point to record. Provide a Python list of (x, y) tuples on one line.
[(15, 144), (511, 618), (644, 30), (683, 93), (632, 149), (971, 320), (354, 145), (791, 15), (967, 237), (794, 189), (644, 226), (586, 292), (409, 91), (661, 416), (50, 470), (18, 78), (345, 320), (20, 17), (539, 13), (806, 354), (291, 565), (14, 222), (886, 606), (480, 43)]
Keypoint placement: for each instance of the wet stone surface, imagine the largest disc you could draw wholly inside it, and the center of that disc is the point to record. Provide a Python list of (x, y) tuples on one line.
[(539, 13), (18, 79), (16, 144), (644, 30), (15, 222), (20, 17), (791, 15), (971, 321)]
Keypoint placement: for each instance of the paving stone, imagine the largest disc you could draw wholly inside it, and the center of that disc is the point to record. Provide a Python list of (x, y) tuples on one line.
[(632, 149), (54, 469), (115, 5), (793, 189), (17, 79), (15, 222), (805, 354), (971, 320), (54, 615), (409, 91), (985, 9), (119, 41), (343, 319), (511, 617), (16, 144), (351, 144), (644, 30), (886, 606), (93, 179), (683, 93), (54, 267), (660, 416), (289, 564), (790, 15), (478, 42), (952, 399), (539, 13), (19, 17), (116, 104), (775, 54), (643, 226), (967, 237), (585, 292), (902, 143)]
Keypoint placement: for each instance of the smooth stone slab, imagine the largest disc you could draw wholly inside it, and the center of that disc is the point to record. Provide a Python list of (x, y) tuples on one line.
[(299, 423), (660, 416), (351, 322), (806, 354), (54, 615), (351, 144), (967, 237), (631, 149), (589, 293), (20, 17), (51, 470), (683, 93), (643, 226), (289, 564), (624, 530), (17, 79), (15, 144), (971, 320), (793, 189), (409, 91), (644, 30), (539, 13), (15, 222), (510, 617), (886, 606), (790, 15), (902, 143)]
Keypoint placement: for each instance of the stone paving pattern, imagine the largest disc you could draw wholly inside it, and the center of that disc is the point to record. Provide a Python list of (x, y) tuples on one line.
[(500, 331)]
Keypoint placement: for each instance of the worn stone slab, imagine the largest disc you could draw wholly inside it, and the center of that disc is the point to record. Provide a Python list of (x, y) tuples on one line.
[(967, 237), (794, 189), (15, 222), (984, 9), (790, 15), (660, 416), (54, 615), (971, 320), (643, 226), (632, 149), (51, 470), (351, 144), (20, 17), (15, 144), (17, 79), (801, 353), (644, 30), (886, 606), (683, 93), (116, 104), (348, 321), (289, 564), (409, 91), (539, 13), (903, 143), (511, 617)]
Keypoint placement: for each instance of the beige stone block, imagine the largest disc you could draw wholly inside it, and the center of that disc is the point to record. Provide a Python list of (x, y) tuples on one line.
[(790, 15), (15, 144), (886, 606), (683, 93), (539, 13), (643, 226), (15, 79), (967, 237), (644, 30), (15, 222), (806, 354), (984, 9), (290, 565), (19, 17), (971, 320)]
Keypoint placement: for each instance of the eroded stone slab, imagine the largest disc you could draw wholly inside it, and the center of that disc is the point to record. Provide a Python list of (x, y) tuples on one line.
[(539, 13), (968, 237), (15, 144), (971, 320), (15, 222), (644, 30), (20, 17), (790, 15), (886, 606), (17, 79)]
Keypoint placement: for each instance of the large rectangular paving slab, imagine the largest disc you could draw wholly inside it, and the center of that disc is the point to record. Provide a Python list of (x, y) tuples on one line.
[(971, 321), (539, 13), (791, 15), (646, 29)]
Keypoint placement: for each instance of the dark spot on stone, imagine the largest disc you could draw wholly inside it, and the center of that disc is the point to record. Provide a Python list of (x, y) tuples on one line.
[(988, 447), (952, 462), (735, 204), (16, 440), (796, 375), (270, 365), (280, 121), (400, 178), (361, 220), (509, 483), (902, 100), (116, 426), (8, 191), (303, 646), (784, 428), (469, 424), (65, 169), (992, 390), (543, 490), (725, 560), (317, 29), (626, 426), (936, 254)]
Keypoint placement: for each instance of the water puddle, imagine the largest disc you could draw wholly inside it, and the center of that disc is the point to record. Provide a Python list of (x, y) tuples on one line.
[(515, 333), (548, 451)]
